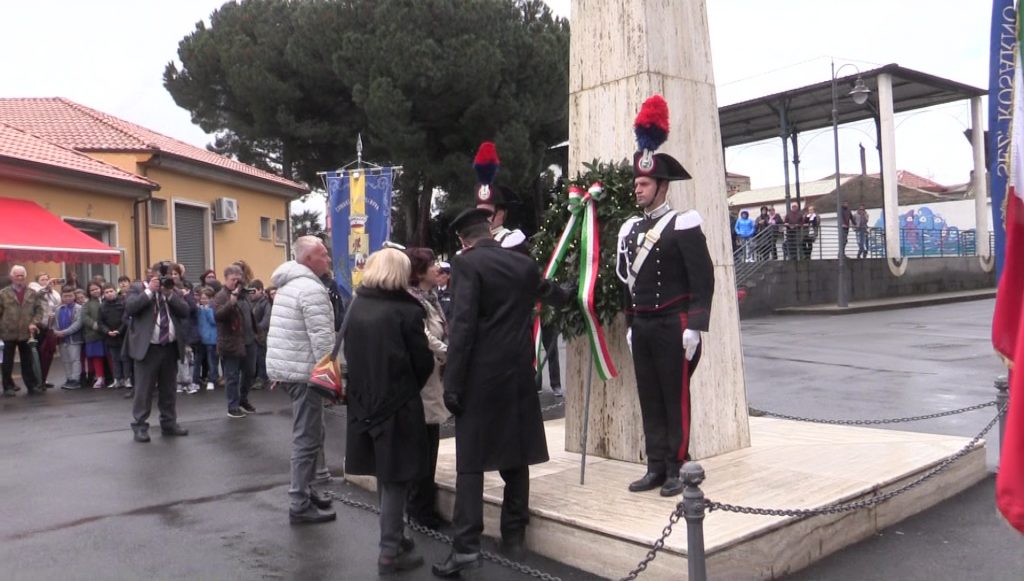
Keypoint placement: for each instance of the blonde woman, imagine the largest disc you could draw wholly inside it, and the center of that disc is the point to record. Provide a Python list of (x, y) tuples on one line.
[(389, 361)]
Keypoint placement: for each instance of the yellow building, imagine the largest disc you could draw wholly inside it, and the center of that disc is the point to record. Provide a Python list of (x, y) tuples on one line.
[(150, 196)]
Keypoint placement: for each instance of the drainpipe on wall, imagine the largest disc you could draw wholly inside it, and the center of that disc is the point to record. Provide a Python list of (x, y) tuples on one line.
[(288, 229), (142, 228)]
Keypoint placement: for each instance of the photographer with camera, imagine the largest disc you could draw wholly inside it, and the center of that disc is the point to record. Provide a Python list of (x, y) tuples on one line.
[(236, 339), (155, 345)]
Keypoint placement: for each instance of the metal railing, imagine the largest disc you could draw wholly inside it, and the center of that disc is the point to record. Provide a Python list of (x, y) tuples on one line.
[(823, 243)]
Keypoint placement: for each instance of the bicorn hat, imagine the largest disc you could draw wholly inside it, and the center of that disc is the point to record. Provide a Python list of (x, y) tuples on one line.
[(651, 128)]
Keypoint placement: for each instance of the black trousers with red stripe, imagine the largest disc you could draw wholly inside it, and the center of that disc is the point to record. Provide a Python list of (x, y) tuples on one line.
[(663, 383)]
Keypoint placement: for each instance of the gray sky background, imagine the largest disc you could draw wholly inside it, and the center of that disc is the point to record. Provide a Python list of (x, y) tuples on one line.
[(110, 55)]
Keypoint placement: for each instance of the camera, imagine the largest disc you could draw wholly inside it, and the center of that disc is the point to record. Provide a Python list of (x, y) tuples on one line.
[(244, 290), (164, 268)]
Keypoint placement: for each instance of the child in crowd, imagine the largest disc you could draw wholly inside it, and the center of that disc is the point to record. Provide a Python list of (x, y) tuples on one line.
[(95, 347), (112, 328), (189, 334), (123, 284), (67, 327), (208, 334)]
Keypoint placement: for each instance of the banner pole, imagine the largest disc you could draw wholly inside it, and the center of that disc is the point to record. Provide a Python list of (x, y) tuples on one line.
[(586, 417)]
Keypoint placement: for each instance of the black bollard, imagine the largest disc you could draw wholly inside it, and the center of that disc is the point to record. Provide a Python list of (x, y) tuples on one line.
[(1003, 385), (692, 475)]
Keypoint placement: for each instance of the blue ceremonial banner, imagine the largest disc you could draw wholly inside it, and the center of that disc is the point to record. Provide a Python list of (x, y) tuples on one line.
[(360, 214), (1000, 112)]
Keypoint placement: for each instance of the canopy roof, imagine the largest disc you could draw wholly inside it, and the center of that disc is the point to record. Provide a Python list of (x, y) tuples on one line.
[(810, 107), (30, 233)]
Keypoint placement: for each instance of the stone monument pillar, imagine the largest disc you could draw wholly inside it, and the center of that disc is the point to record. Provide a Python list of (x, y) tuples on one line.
[(623, 51)]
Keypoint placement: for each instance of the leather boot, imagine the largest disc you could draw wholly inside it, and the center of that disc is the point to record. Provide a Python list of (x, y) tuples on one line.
[(672, 487), (650, 481), (456, 563)]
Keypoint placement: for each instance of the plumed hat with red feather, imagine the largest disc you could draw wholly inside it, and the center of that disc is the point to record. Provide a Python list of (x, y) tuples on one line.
[(651, 128)]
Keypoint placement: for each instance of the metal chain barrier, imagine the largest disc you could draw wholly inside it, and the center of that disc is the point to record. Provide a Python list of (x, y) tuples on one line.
[(868, 503), (441, 537), (658, 545), (758, 413)]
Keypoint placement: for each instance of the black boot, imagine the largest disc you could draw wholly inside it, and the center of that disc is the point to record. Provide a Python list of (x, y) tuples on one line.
[(456, 563), (650, 481), (672, 487)]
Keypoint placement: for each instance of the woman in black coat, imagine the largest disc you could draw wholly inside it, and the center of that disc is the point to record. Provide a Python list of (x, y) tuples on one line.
[(389, 361)]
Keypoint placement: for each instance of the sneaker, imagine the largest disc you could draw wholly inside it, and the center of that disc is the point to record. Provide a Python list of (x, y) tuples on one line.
[(192, 388), (247, 407), (209, 386), (100, 383), (236, 413), (557, 391), (181, 388), (128, 383), (71, 385)]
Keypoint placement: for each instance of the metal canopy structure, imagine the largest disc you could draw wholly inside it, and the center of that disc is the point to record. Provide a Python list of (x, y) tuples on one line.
[(809, 108)]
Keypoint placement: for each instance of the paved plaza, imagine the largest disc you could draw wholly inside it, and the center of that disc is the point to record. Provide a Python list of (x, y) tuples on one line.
[(80, 500)]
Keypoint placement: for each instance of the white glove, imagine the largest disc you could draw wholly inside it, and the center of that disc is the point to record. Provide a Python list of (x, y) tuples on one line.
[(629, 339), (691, 339)]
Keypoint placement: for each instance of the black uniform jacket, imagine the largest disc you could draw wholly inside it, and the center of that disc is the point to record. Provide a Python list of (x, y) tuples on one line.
[(389, 362), (676, 277), (490, 360)]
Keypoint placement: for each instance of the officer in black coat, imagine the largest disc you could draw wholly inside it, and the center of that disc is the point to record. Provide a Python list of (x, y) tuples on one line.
[(664, 261), (489, 387)]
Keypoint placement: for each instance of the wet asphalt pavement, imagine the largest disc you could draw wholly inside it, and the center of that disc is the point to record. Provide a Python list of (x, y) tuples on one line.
[(80, 500)]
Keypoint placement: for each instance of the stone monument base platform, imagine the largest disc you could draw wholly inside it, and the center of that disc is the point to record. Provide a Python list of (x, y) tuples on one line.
[(602, 528)]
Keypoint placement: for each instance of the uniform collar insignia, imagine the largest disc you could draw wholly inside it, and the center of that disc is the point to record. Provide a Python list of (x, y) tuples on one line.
[(658, 212)]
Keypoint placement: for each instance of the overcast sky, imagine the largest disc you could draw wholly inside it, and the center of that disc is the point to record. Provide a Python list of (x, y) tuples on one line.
[(110, 55)]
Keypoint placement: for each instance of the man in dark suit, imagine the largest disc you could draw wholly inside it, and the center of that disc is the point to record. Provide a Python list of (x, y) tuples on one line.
[(489, 386), (155, 344)]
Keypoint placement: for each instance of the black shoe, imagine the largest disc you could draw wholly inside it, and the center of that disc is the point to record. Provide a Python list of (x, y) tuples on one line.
[(456, 563), (141, 435), (247, 407), (48, 385), (8, 393), (400, 562), (672, 487), (321, 501), (311, 516), (130, 394), (514, 545), (406, 545), (37, 391), (650, 481), (236, 413), (175, 430)]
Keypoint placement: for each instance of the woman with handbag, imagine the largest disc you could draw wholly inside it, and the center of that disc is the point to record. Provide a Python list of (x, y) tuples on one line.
[(422, 506), (389, 361)]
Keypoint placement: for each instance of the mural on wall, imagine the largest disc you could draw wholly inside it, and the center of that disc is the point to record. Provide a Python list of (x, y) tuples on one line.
[(924, 232)]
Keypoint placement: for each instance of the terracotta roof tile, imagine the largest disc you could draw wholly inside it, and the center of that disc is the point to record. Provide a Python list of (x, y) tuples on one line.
[(18, 144), (82, 128)]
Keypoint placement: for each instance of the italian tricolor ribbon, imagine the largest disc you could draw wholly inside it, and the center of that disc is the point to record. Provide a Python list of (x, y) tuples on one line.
[(583, 217)]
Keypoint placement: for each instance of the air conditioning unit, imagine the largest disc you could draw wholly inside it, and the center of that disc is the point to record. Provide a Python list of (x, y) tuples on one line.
[(225, 210)]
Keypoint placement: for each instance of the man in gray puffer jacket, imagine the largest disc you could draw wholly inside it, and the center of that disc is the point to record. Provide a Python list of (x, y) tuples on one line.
[(301, 332)]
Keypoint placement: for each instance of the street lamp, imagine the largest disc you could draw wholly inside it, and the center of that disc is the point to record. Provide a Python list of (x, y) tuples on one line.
[(859, 94)]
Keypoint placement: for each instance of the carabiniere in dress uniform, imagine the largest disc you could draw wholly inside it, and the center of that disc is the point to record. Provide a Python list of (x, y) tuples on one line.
[(668, 277)]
